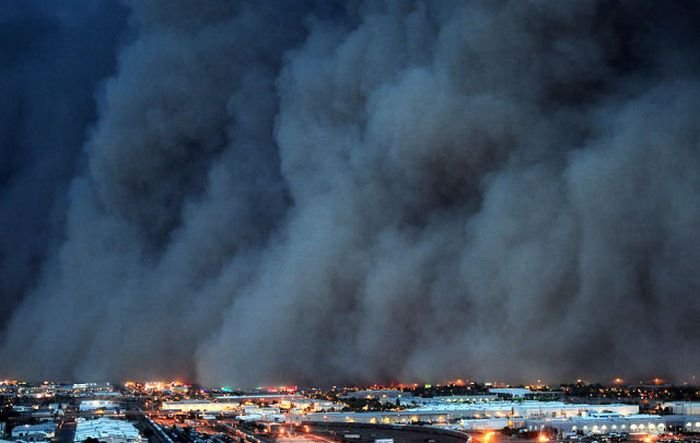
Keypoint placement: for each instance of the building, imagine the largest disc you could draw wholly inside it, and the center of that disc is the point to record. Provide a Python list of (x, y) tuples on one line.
[(691, 425), (524, 409), (447, 412), (683, 407), (510, 393), (448, 399), (46, 414), (106, 430), (258, 398), (484, 424), (38, 432), (93, 405), (89, 390), (255, 413), (310, 405), (633, 424), (381, 395), (200, 406)]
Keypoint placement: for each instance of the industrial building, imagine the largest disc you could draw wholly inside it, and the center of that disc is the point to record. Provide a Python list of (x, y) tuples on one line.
[(93, 405), (227, 403), (525, 394), (448, 399), (633, 424), (266, 398), (256, 413), (637, 423), (510, 393), (381, 395), (683, 407), (310, 405), (200, 406), (38, 432), (445, 412), (486, 424), (107, 430), (524, 409)]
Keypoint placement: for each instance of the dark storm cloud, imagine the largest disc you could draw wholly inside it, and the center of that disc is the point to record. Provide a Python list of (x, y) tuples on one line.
[(296, 192), (52, 55)]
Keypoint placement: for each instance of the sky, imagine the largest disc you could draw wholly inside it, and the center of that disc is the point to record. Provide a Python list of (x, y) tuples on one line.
[(310, 192)]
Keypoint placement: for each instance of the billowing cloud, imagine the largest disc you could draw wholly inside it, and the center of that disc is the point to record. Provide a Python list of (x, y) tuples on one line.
[(309, 192), (52, 57)]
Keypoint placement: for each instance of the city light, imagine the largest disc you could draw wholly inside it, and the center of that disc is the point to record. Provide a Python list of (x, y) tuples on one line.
[(471, 409)]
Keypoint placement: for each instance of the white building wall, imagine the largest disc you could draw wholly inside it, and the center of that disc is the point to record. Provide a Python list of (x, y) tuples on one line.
[(203, 406), (683, 407)]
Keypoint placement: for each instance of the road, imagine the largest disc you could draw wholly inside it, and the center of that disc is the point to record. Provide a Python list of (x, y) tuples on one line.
[(369, 433), (308, 438), (66, 428), (65, 432), (312, 432)]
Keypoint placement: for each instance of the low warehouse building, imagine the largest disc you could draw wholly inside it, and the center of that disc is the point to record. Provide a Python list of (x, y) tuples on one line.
[(200, 406), (38, 432), (683, 407), (107, 430)]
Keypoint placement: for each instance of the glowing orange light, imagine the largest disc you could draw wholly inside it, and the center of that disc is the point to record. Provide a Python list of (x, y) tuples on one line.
[(489, 436), (648, 439), (543, 438)]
